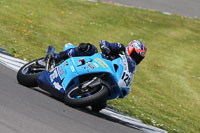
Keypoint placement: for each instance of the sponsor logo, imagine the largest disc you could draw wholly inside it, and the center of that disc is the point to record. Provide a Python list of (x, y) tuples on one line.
[(85, 68), (57, 85), (96, 65), (61, 70), (81, 61), (72, 68), (91, 66), (53, 75), (124, 62), (102, 63)]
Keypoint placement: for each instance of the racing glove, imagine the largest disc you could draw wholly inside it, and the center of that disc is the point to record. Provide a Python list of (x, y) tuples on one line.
[(60, 56), (104, 45), (122, 47)]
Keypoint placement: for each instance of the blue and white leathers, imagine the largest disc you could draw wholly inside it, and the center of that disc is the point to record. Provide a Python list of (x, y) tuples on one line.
[(120, 72)]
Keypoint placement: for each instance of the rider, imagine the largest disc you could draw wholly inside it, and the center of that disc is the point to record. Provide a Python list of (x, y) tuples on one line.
[(134, 51)]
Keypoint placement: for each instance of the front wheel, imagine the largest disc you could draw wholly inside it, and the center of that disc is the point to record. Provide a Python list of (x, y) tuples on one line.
[(29, 73), (82, 97)]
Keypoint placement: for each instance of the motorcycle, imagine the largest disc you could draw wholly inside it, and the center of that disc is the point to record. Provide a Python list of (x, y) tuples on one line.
[(80, 81)]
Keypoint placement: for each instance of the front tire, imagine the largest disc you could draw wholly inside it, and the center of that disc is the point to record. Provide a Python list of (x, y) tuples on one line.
[(99, 106), (76, 98), (29, 73)]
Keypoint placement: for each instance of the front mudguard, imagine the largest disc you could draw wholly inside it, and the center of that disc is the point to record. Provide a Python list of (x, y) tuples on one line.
[(93, 83), (97, 82)]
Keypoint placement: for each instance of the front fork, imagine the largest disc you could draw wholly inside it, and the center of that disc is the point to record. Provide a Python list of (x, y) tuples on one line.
[(49, 57), (48, 62)]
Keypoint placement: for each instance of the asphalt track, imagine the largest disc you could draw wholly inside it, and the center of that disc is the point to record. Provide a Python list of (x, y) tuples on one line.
[(187, 8), (32, 110)]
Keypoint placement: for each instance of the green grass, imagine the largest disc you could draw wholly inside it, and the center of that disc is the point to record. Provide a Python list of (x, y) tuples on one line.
[(166, 88)]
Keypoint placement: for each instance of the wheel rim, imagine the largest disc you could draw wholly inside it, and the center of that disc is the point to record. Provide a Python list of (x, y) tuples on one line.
[(78, 92), (32, 68)]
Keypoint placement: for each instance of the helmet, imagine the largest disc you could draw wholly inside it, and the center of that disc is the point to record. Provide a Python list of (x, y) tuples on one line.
[(136, 51)]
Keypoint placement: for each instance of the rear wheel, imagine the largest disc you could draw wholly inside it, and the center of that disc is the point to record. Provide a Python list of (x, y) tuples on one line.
[(29, 73), (81, 97)]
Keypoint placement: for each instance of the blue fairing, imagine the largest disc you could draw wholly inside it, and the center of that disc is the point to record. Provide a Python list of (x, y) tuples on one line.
[(65, 76)]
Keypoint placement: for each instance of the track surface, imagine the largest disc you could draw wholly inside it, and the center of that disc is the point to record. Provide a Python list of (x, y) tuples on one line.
[(32, 110), (188, 8)]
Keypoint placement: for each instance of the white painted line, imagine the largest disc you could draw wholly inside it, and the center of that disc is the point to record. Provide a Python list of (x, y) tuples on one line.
[(132, 121), (10, 62), (12, 58), (119, 116), (15, 68), (167, 13)]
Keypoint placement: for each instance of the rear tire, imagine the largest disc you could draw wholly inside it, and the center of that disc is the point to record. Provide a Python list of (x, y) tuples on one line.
[(92, 99), (27, 77)]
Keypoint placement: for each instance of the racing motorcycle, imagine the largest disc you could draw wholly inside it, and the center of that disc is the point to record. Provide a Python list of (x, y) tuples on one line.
[(80, 81)]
